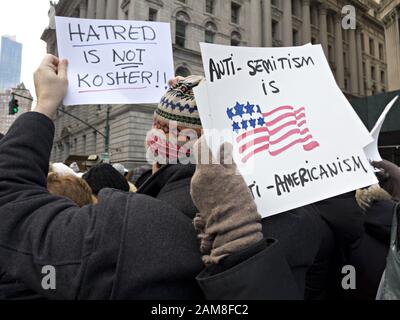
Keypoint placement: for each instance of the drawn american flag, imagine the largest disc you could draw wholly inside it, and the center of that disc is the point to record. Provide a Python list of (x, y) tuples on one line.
[(274, 132)]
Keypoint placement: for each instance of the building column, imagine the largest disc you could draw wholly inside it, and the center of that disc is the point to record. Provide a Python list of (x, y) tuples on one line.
[(91, 10), (112, 9), (100, 9), (361, 90), (287, 24), (267, 23), (83, 10), (339, 52), (368, 77), (378, 78), (353, 62), (306, 30), (121, 13), (131, 10), (323, 28), (255, 23)]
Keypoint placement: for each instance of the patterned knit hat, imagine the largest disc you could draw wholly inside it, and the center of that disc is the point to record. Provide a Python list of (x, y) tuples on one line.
[(179, 104)]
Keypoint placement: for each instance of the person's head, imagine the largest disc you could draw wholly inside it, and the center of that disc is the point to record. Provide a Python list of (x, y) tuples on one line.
[(176, 124), (71, 187), (105, 176), (61, 169), (74, 166), (121, 169)]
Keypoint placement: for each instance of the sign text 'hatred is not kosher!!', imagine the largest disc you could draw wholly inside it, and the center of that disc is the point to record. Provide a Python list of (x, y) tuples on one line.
[(120, 56)]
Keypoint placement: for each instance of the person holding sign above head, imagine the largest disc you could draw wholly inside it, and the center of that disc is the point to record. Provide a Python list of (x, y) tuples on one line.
[(129, 245)]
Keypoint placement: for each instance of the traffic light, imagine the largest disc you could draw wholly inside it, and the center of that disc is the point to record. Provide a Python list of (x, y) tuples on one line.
[(13, 106)]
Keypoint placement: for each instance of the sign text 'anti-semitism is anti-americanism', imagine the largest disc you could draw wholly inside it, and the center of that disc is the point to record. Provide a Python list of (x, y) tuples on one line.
[(296, 138), (114, 61)]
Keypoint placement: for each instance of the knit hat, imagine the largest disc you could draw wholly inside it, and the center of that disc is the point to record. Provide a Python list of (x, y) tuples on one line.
[(179, 104), (105, 176)]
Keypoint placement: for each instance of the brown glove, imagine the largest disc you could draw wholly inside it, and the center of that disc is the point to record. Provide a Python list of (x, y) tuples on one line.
[(365, 197), (228, 220), (389, 178)]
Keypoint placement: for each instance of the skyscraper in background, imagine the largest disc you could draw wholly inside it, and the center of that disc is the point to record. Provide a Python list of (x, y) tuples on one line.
[(10, 63)]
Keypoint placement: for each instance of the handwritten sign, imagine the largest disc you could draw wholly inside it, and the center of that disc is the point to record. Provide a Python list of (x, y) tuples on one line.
[(296, 138), (115, 62), (372, 150)]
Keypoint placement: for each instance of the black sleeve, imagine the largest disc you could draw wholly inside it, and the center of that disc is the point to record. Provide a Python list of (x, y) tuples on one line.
[(36, 228), (264, 274)]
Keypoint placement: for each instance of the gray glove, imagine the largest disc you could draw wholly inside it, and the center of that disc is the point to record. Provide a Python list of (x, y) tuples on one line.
[(228, 220)]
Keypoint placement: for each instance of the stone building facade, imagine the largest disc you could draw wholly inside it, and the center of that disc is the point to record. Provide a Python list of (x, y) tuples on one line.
[(390, 15), (25, 105), (357, 57)]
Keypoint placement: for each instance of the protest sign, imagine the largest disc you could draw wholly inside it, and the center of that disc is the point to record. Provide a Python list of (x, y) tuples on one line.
[(296, 138), (115, 62), (372, 150)]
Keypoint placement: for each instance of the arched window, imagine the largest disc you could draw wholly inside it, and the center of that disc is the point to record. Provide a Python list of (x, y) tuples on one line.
[(210, 32), (182, 71), (182, 20), (236, 38)]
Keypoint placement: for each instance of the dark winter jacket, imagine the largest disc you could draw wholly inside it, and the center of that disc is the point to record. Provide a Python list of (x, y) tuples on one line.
[(128, 246), (305, 238)]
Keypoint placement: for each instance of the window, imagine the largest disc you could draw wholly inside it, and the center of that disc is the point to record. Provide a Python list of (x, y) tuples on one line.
[(182, 20), (209, 38), (373, 73), (314, 15), (180, 35), (210, 32), (275, 3), (153, 14), (362, 42), (236, 39), (329, 24), (295, 8), (183, 72), (344, 35), (210, 6), (313, 41), (371, 46), (296, 37), (235, 12), (381, 51), (275, 30), (330, 54), (364, 69), (383, 78)]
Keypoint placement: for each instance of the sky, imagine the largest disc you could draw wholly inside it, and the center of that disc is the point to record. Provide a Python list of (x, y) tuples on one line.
[(26, 19)]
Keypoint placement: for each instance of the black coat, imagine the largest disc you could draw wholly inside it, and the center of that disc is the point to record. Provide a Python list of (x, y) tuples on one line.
[(128, 246), (305, 237)]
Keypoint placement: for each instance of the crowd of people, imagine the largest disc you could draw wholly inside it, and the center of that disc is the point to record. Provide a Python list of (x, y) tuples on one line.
[(180, 231)]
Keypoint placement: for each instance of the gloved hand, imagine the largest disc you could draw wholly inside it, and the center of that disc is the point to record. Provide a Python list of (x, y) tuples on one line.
[(389, 179), (365, 197), (228, 220)]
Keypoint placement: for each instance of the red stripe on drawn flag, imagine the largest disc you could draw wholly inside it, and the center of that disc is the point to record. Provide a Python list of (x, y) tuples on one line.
[(275, 132)]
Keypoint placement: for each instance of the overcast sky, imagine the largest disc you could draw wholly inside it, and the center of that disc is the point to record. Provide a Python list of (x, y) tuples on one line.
[(26, 19)]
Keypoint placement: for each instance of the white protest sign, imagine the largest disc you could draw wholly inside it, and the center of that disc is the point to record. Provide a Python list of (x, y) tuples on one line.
[(372, 150), (115, 62), (296, 138)]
